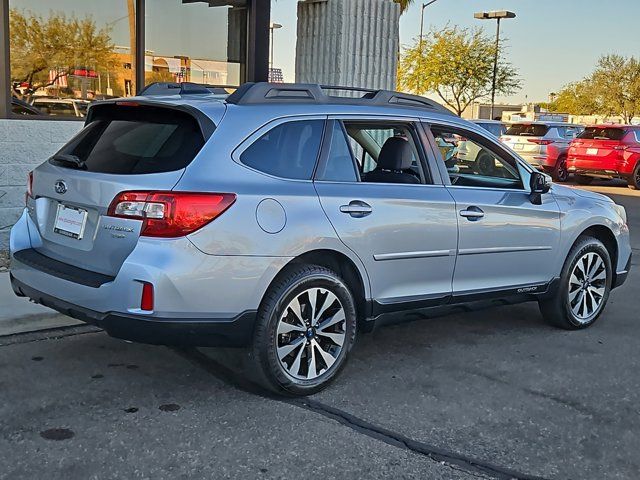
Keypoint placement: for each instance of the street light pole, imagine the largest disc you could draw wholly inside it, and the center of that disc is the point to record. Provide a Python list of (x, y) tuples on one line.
[(272, 27), (496, 15), (424, 5)]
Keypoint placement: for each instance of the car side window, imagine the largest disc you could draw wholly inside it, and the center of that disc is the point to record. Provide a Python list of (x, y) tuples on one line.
[(339, 166), (289, 150), (386, 152), (471, 160)]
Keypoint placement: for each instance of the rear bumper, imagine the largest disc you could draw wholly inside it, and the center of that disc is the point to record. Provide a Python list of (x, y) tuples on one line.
[(202, 332), (540, 161), (598, 173)]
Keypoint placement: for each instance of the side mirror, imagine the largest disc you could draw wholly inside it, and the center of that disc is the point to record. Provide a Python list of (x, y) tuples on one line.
[(539, 184)]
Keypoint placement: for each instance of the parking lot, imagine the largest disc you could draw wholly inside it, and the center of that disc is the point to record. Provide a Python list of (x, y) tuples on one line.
[(488, 394)]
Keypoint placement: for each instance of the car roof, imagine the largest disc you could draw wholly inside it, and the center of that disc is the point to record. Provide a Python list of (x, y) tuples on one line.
[(482, 120), (377, 103), (548, 124), (612, 125)]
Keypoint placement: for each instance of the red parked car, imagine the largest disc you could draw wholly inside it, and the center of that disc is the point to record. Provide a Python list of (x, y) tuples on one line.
[(606, 151)]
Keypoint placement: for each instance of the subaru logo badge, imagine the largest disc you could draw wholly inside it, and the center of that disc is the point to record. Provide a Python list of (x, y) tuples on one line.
[(60, 187)]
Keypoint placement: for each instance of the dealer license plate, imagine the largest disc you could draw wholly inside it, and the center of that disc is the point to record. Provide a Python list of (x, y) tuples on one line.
[(70, 221)]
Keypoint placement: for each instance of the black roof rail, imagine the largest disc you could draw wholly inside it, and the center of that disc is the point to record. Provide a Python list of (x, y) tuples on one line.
[(183, 88), (265, 93)]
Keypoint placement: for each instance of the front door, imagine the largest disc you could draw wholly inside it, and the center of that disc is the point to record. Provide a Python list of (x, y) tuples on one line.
[(390, 214), (505, 241)]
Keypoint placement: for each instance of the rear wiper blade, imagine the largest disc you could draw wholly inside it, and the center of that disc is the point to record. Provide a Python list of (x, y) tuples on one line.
[(69, 160)]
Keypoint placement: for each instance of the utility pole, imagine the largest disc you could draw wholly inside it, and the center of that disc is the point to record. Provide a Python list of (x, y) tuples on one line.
[(496, 15)]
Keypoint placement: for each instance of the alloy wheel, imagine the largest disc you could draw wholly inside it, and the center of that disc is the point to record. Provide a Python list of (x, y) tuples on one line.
[(562, 173), (311, 334), (587, 287)]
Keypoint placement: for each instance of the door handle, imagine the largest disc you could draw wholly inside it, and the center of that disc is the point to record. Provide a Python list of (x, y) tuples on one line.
[(472, 214), (357, 209)]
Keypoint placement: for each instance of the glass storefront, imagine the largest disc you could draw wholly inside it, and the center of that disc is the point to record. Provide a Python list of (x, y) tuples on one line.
[(65, 54), (195, 42)]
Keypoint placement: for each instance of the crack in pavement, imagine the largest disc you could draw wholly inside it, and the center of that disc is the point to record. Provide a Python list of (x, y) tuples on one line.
[(47, 334), (453, 460)]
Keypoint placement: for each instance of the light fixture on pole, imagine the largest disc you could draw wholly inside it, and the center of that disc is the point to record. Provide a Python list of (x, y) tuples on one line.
[(495, 15), (424, 5), (272, 27)]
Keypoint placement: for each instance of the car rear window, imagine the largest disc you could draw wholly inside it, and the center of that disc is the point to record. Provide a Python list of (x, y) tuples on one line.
[(602, 133), (289, 150), (495, 129), (136, 140), (528, 130)]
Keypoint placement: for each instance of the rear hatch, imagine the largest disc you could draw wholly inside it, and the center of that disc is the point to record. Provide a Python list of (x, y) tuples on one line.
[(598, 147), (125, 146), (526, 138)]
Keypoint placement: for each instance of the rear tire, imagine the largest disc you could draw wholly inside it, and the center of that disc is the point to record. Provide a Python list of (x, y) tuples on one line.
[(583, 291), (584, 180), (634, 180), (560, 172), (305, 329)]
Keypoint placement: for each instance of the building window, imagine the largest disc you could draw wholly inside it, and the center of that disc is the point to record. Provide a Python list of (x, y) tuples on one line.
[(66, 53), (194, 41)]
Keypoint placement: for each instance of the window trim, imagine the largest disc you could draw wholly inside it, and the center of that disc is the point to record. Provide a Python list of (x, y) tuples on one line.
[(267, 127), (257, 61), (494, 146)]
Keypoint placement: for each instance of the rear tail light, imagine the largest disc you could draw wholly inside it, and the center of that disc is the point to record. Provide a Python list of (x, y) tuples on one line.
[(146, 301), (29, 193), (170, 214), (539, 141), (505, 139)]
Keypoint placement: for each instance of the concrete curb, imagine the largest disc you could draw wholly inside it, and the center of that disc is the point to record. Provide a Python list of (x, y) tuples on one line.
[(19, 315)]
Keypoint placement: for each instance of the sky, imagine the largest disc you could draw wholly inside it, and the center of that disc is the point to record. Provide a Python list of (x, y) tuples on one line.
[(550, 42)]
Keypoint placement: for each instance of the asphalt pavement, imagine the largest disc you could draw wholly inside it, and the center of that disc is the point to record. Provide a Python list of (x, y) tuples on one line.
[(487, 394)]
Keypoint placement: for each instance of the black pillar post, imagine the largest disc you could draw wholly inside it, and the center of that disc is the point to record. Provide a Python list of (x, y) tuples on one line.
[(258, 48), (5, 69)]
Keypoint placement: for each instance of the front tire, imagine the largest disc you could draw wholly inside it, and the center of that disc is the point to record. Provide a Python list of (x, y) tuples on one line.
[(585, 283), (634, 180), (305, 328)]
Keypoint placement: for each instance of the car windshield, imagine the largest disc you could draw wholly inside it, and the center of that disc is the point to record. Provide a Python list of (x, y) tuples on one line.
[(602, 133), (528, 130)]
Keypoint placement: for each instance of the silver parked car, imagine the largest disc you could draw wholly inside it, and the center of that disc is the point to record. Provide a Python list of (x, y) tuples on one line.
[(286, 220), (543, 144)]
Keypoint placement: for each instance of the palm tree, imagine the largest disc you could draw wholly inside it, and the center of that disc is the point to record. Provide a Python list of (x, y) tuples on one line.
[(404, 4)]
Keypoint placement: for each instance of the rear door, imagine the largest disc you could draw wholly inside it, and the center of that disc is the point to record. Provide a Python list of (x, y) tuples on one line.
[(122, 148), (404, 233)]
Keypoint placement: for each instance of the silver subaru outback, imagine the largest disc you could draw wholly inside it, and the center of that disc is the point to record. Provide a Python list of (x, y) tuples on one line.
[(288, 218)]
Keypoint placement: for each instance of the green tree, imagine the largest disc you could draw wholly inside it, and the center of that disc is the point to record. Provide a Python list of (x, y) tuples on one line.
[(578, 98), (613, 88), (616, 82), (457, 64), (58, 43)]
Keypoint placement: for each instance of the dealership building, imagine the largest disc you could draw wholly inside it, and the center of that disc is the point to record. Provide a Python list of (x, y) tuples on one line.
[(58, 56)]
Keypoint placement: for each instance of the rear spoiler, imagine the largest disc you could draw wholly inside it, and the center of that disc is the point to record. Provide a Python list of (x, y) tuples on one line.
[(207, 127)]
